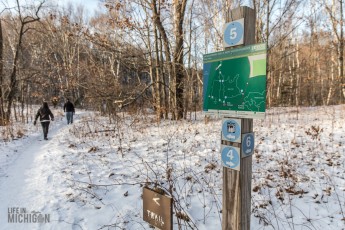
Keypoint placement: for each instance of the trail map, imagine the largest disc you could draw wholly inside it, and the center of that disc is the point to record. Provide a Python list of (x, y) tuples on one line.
[(235, 82)]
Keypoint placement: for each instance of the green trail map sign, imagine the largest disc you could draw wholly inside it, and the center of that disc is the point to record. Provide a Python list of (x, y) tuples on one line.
[(235, 82)]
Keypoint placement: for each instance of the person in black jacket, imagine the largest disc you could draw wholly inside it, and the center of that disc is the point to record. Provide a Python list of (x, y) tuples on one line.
[(45, 117), (69, 109)]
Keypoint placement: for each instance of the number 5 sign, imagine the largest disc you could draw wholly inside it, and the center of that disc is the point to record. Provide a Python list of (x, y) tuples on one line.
[(233, 33)]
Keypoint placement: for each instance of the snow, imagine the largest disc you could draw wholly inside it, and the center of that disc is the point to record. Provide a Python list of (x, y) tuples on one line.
[(90, 175)]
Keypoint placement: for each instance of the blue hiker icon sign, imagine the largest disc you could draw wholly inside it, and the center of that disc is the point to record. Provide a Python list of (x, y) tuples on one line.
[(231, 130)]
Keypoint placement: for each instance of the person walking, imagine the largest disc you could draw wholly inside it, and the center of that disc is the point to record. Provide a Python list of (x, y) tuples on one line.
[(69, 109), (45, 116)]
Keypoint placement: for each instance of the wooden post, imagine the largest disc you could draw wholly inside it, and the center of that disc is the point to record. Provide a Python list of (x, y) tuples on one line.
[(237, 185)]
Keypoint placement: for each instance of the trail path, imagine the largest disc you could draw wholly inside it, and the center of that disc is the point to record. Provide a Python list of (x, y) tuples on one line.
[(29, 182)]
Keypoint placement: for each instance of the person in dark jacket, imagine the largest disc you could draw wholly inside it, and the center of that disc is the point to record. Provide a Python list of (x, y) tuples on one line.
[(45, 116), (69, 109)]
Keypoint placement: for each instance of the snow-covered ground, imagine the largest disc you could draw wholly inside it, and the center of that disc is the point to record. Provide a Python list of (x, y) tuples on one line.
[(90, 175)]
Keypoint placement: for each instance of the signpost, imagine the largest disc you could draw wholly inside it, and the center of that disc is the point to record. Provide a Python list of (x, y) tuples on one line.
[(157, 209), (235, 89)]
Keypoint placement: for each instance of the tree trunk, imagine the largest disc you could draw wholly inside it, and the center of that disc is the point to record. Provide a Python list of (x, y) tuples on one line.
[(13, 78), (163, 34), (269, 80), (2, 112), (298, 84), (330, 90), (157, 79), (165, 90), (151, 71), (179, 8), (341, 52)]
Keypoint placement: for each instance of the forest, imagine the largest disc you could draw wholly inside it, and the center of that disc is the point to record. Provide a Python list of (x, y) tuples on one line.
[(134, 55), (134, 71)]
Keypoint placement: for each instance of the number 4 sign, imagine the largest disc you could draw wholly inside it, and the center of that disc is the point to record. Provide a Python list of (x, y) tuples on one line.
[(230, 157), (233, 33)]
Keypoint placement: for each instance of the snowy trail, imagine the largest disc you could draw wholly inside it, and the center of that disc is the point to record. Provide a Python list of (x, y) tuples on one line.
[(85, 179), (30, 182)]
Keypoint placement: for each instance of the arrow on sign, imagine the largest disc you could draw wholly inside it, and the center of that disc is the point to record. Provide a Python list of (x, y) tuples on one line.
[(156, 201), (230, 163)]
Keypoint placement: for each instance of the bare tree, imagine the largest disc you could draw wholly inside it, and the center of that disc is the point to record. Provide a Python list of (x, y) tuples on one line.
[(179, 13), (276, 21), (25, 18), (336, 15), (2, 112)]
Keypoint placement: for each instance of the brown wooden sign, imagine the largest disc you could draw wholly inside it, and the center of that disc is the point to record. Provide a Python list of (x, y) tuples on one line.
[(157, 209)]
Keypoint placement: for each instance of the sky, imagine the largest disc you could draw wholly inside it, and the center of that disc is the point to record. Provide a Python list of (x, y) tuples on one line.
[(90, 5)]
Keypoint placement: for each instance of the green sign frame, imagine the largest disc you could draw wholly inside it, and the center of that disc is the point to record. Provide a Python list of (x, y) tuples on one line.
[(235, 82)]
